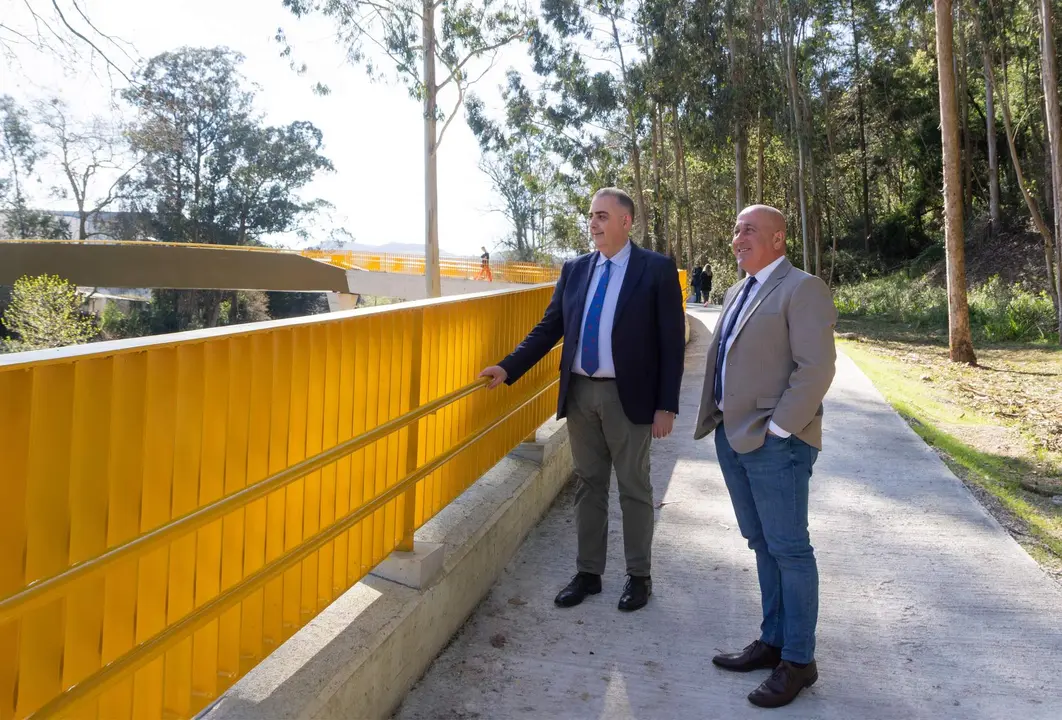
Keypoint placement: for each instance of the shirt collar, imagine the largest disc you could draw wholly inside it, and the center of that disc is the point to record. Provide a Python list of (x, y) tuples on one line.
[(619, 259), (763, 275)]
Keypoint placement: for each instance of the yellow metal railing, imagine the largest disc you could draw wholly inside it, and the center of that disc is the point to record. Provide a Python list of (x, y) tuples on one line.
[(175, 508), (468, 269), (512, 272)]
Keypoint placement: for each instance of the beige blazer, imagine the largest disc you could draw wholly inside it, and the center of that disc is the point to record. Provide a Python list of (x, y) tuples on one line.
[(780, 365)]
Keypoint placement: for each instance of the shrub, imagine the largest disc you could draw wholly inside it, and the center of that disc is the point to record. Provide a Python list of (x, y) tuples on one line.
[(998, 312)]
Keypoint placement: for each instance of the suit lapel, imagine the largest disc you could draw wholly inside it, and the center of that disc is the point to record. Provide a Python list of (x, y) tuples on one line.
[(635, 267), (768, 287), (584, 289)]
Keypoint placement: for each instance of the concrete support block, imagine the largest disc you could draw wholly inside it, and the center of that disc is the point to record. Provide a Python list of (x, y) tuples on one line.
[(415, 569), (342, 301), (541, 444)]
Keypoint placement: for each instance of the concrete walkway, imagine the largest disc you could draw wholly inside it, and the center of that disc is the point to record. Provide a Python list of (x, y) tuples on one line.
[(929, 609)]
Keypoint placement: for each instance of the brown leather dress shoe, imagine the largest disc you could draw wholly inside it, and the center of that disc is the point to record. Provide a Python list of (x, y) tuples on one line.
[(784, 684), (757, 656)]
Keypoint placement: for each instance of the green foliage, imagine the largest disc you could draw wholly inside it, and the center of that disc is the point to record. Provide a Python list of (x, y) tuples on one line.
[(19, 153), (211, 171), (284, 305), (1011, 313), (998, 312), (45, 312)]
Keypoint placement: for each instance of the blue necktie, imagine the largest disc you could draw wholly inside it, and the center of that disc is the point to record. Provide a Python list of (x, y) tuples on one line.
[(720, 355), (591, 329)]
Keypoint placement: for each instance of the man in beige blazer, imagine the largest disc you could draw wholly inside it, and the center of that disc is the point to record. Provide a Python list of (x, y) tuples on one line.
[(770, 363)]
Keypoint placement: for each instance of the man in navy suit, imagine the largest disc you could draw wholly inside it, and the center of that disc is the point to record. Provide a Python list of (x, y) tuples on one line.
[(619, 311)]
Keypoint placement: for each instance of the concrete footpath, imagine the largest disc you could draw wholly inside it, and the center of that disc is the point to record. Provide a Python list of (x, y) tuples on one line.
[(928, 608)]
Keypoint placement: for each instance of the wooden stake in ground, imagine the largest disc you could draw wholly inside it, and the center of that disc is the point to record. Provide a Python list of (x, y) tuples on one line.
[(959, 339)]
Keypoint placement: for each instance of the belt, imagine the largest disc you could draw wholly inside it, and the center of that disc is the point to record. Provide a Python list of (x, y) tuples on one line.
[(595, 379)]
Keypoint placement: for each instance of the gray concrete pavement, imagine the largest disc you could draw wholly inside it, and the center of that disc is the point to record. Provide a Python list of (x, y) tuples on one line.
[(928, 610)]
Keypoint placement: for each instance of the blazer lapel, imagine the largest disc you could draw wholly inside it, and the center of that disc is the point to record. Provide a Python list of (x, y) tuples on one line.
[(584, 289), (635, 267), (588, 270), (768, 287)]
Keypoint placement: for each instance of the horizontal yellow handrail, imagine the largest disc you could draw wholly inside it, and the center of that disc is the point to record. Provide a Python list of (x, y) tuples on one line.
[(147, 650), (50, 588)]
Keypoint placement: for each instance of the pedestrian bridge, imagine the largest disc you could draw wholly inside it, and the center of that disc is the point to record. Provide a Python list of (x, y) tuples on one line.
[(125, 264)]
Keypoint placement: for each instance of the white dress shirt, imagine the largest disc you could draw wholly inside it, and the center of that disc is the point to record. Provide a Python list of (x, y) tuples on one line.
[(607, 366), (761, 277)]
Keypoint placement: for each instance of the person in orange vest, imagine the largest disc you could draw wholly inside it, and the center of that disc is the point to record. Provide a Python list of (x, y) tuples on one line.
[(484, 267)]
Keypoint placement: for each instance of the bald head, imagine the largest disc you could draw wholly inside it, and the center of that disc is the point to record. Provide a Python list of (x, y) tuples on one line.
[(759, 237)]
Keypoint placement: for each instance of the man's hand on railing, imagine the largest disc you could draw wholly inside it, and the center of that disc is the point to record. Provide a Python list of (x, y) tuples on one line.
[(496, 374)]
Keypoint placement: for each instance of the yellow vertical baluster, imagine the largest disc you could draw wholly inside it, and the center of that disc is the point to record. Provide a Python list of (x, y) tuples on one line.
[(48, 531), (88, 519), (187, 461), (333, 358), (125, 488), (311, 523), (209, 541), (341, 578), (359, 540), (16, 388), (234, 525), (276, 507), (261, 363), (373, 545), (295, 497)]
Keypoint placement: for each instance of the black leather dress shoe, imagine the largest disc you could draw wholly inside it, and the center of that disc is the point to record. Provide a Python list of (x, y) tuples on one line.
[(784, 684), (575, 592), (635, 593), (757, 656)]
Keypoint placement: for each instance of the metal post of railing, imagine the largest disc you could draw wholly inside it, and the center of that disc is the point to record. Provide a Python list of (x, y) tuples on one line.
[(413, 443)]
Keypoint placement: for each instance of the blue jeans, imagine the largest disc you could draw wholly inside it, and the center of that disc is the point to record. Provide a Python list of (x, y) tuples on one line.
[(769, 490)]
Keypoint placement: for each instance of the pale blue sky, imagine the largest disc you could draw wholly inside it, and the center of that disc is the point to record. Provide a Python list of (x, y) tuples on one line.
[(373, 132)]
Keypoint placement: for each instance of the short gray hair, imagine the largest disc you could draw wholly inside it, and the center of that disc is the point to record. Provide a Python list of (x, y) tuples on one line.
[(619, 196)]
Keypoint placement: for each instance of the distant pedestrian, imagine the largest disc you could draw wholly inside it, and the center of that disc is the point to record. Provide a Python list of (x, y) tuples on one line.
[(706, 283), (696, 283), (484, 267)]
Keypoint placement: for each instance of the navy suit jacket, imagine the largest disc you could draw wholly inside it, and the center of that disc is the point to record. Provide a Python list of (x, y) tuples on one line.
[(648, 334)]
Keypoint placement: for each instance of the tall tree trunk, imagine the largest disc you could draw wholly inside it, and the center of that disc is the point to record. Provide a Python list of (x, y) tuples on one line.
[(758, 30), (665, 205), (964, 118), (862, 130), (1054, 127), (737, 82), (740, 155), (432, 280), (790, 51), (632, 131), (639, 194), (993, 155), (660, 241), (759, 156), (690, 250), (959, 338), (678, 185)]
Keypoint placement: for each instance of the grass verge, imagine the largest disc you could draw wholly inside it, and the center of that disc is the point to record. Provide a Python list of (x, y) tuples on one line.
[(994, 426)]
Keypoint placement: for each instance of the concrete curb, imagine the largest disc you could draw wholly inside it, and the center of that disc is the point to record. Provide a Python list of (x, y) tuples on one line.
[(360, 657)]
